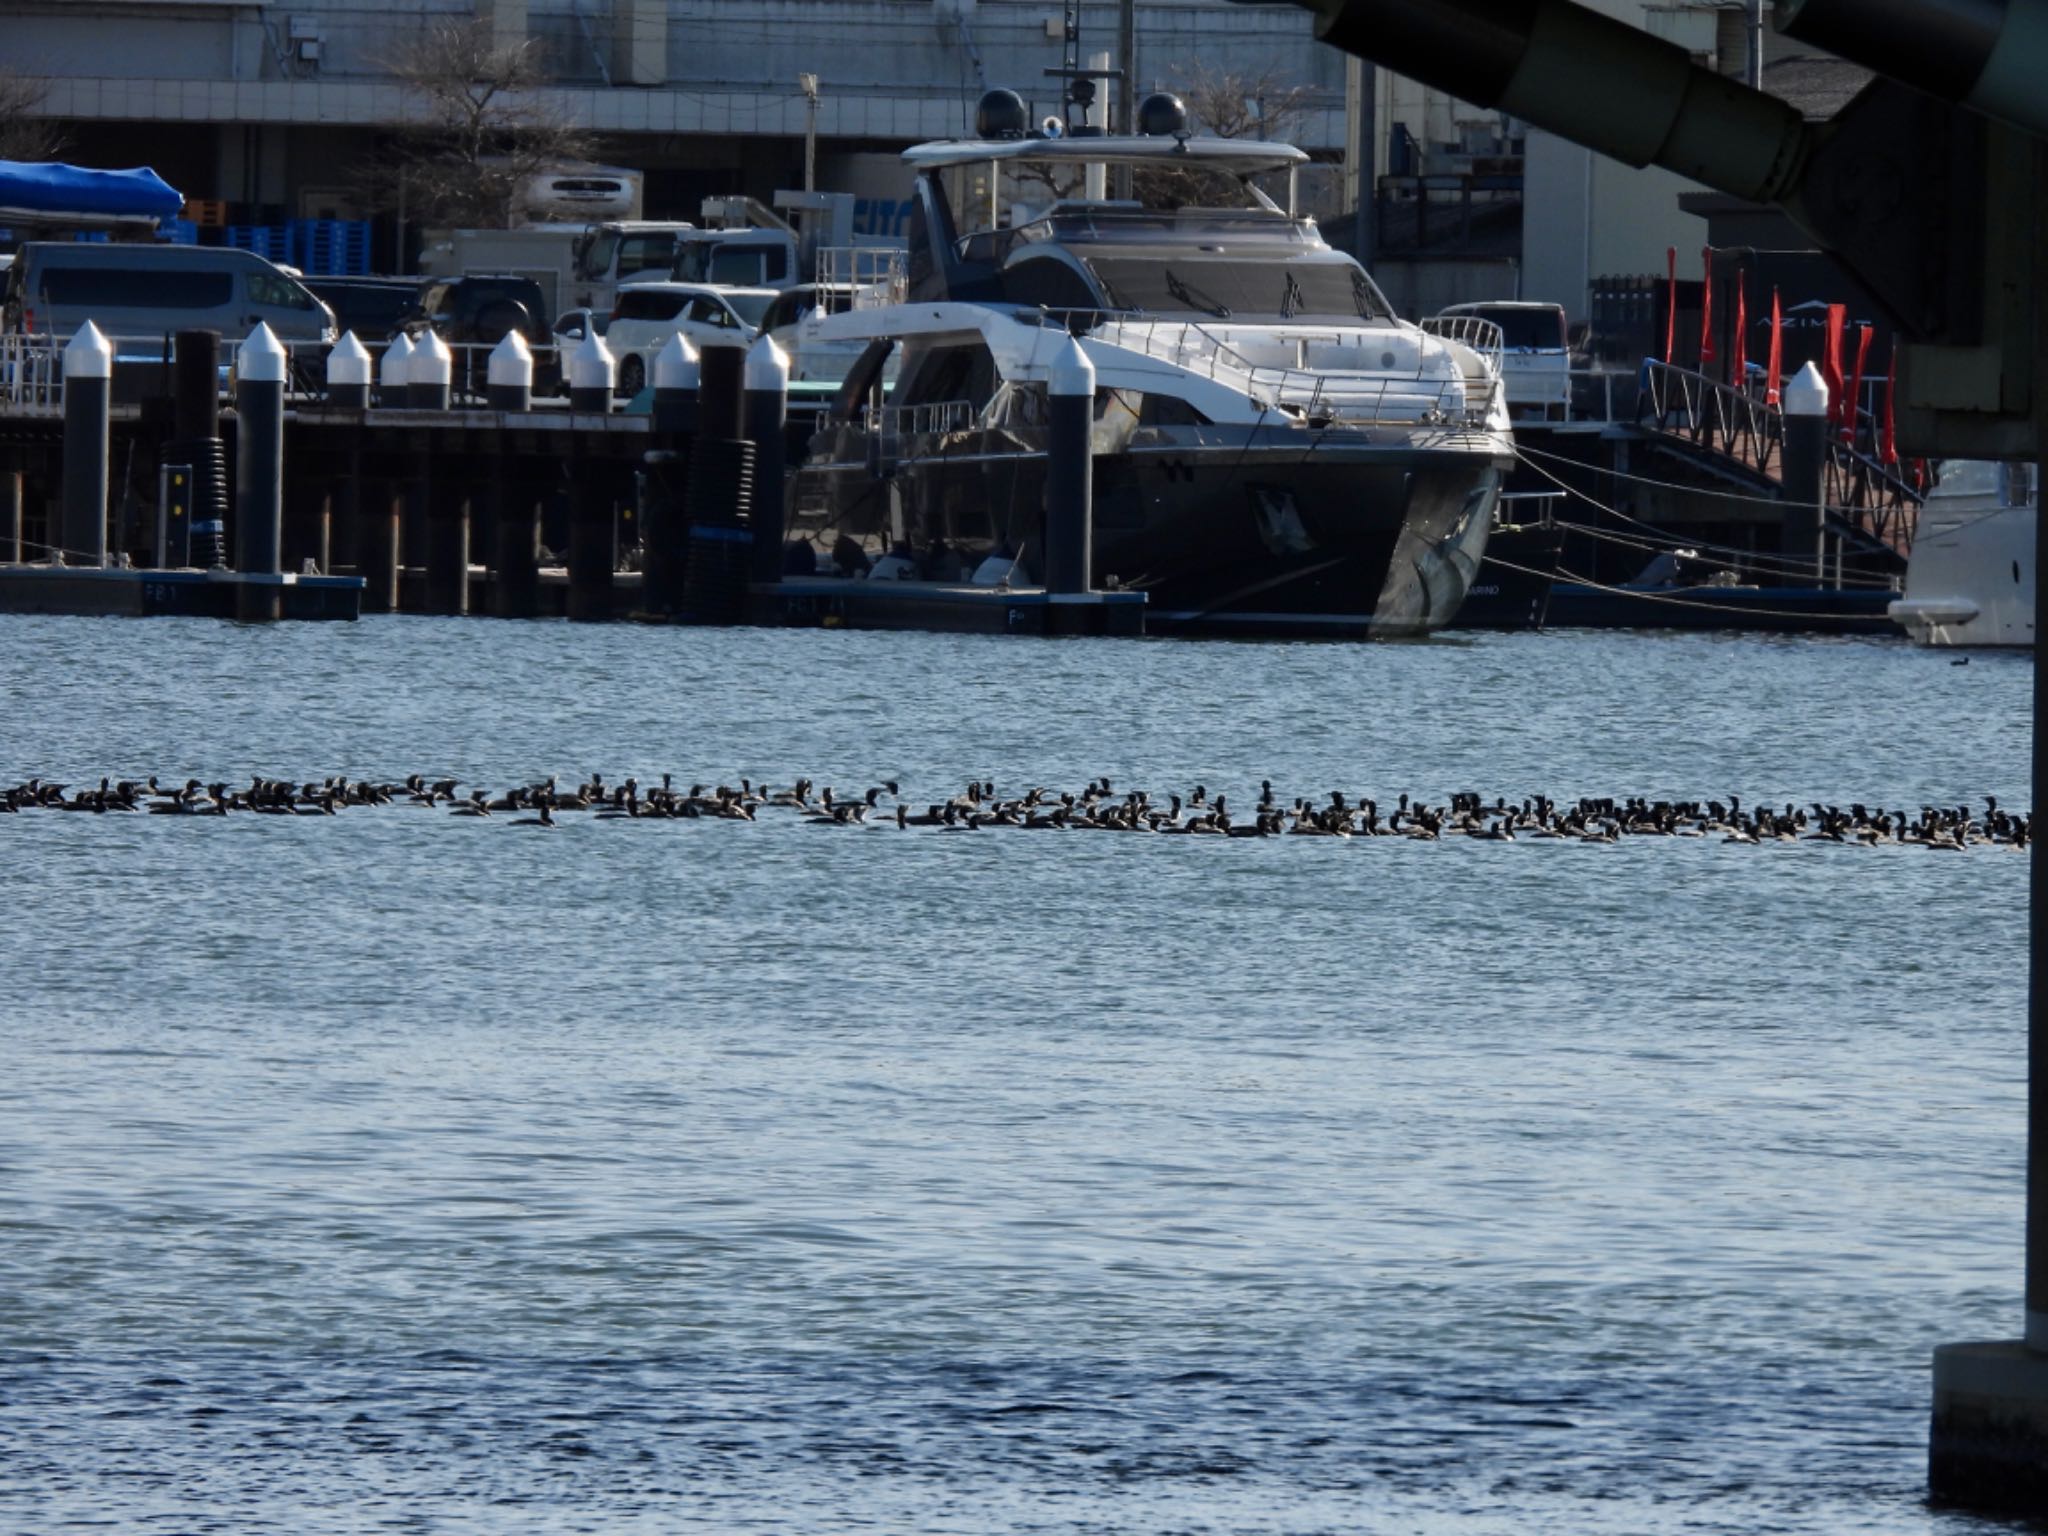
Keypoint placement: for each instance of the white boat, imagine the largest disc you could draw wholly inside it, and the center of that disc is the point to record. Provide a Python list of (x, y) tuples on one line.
[(1275, 451), (1970, 578)]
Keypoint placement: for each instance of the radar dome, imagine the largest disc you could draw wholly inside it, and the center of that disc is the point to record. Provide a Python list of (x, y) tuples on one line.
[(1001, 115), (1162, 113)]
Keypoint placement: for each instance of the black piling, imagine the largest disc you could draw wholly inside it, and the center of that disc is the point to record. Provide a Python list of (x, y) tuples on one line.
[(515, 543), (88, 405), (766, 416), (447, 572), (591, 554), (196, 441), (719, 551), (1069, 472), (12, 502), (260, 368), (1805, 469)]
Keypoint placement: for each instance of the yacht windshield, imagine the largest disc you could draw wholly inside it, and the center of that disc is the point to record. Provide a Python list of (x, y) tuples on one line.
[(1224, 290)]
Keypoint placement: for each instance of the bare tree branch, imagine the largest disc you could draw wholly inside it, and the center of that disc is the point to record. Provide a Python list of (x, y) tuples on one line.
[(24, 136), (1225, 105), (482, 128)]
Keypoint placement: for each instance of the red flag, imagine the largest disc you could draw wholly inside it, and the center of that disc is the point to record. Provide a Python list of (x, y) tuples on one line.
[(1851, 407), (1774, 377), (1831, 361), (1738, 363), (1707, 353), (1671, 308), (1888, 432)]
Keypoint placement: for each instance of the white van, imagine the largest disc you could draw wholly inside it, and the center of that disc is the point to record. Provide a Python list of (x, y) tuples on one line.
[(54, 287), (1536, 359)]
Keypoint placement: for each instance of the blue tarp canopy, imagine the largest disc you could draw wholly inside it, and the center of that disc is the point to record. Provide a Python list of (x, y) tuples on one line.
[(75, 195)]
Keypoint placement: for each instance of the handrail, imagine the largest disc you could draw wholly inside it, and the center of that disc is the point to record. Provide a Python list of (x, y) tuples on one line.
[(1483, 336), (1369, 396)]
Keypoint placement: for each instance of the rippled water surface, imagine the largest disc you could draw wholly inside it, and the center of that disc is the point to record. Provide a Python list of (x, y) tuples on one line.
[(399, 1172)]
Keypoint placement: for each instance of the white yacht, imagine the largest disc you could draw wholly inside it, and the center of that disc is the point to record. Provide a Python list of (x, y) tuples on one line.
[(1275, 451), (1970, 578)]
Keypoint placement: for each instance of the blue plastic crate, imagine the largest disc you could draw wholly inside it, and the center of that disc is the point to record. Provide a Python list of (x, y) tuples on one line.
[(266, 240), (177, 232), (331, 247)]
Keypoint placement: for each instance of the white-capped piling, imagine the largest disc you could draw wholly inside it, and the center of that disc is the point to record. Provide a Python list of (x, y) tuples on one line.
[(1070, 471), (348, 374), (765, 417), (592, 373), (260, 368), (664, 531), (88, 401), (392, 368), (676, 381), (508, 377), (429, 374), (1805, 469)]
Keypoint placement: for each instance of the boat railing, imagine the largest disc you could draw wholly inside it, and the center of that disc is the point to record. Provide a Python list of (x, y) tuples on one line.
[(1335, 391), (892, 427), (860, 277), (1483, 336)]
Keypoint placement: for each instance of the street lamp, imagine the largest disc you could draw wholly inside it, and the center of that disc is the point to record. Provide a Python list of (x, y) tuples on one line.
[(808, 84)]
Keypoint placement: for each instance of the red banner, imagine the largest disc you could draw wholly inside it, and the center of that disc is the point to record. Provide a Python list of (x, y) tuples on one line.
[(1738, 362), (1671, 308), (1831, 361), (1707, 351), (1888, 433), (1774, 375), (1853, 406)]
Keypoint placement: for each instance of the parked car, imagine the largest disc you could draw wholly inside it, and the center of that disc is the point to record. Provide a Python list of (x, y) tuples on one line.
[(647, 314), (572, 325), (54, 287), (371, 307), (475, 312), (1536, 359)]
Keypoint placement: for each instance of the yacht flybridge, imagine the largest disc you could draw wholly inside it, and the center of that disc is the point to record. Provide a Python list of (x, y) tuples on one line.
[(1274, 450)]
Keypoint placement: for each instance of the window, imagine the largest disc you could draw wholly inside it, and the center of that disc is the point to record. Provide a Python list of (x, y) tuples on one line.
[(115, 288), (641, 304), (645, 253), (750, 307), (277, 291), (708, 311), (1285, 290)]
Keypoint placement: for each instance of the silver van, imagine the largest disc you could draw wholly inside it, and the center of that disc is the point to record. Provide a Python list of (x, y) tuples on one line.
[(151, 290)]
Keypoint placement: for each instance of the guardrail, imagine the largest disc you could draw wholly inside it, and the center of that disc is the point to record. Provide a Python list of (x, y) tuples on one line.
[(32, 369), (1334, 393), (1483, 336)]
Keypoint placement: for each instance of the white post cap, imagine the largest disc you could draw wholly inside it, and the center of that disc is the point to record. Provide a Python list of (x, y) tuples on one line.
[(260, 359), (591, 365), (511, 363), (675, 367), (431, 362), (1807, 393), (767, 369), (1071, 372), (397, 359), (87, 355), (349, 362)]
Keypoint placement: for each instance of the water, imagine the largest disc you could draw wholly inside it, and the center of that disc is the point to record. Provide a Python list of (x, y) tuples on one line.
[(396, 1172)]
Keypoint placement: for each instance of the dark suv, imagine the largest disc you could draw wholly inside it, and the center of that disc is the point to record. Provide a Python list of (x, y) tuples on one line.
[(475, 312)]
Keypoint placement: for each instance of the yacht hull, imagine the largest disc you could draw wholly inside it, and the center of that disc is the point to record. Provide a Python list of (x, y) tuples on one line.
[(1341, 539), (1970, 579)]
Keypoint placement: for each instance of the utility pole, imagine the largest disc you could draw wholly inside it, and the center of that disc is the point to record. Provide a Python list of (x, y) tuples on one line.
[(1127, 60), (809, 85)]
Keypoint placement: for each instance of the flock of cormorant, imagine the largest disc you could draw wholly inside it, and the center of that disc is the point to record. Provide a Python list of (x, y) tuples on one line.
[(1098, 808)]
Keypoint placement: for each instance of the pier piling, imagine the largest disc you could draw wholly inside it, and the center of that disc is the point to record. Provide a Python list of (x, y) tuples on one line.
[(765, 413), (196, 441), (515, 544), (1806, 451), (591, 555), (447, 572), (1070, 472), (11, 504), (593, 372), (348, 374), (508, 377), (430, 374), (88, 403), (392, 369), (260, 369)]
